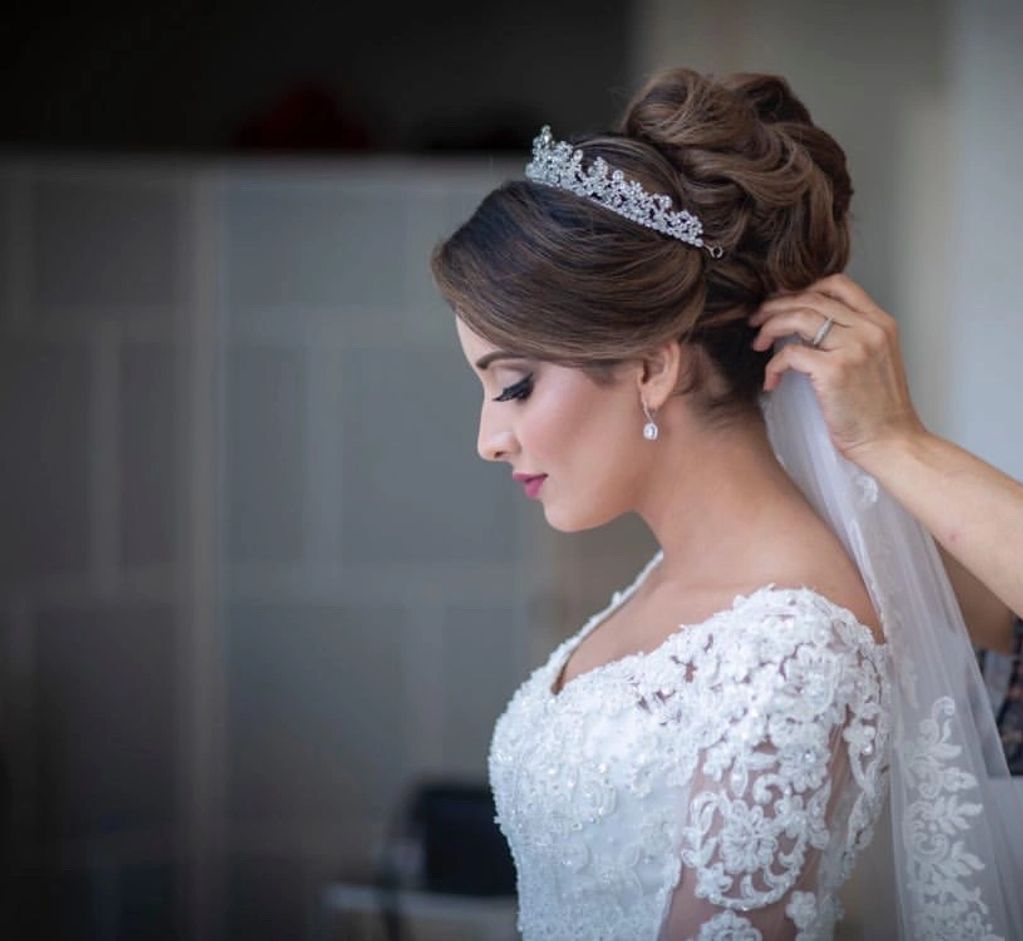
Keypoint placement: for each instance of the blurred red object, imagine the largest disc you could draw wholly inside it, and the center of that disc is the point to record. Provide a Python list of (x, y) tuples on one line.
[(307, 116)]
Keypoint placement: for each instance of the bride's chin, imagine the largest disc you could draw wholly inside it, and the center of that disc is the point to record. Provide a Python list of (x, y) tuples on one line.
[(572, 524), (557, 521)]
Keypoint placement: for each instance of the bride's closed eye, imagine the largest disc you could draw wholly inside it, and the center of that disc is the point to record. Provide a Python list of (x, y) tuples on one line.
[(520, 390)]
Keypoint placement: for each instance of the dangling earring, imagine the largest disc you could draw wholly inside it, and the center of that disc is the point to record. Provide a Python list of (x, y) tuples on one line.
[(650, 429)]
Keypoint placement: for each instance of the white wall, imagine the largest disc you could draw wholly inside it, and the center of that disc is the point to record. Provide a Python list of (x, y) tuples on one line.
[(986, 219)]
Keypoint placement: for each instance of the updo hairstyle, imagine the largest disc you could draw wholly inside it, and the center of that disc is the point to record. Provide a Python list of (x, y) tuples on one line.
[(557, 277)]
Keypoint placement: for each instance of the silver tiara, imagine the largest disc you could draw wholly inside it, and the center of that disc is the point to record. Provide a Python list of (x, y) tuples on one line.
[(558, 164)]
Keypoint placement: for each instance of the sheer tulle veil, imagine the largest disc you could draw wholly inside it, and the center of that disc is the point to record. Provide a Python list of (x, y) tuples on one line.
[(946, 858)]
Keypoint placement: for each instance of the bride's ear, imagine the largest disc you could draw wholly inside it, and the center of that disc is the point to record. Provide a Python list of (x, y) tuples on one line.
[(661, 370)]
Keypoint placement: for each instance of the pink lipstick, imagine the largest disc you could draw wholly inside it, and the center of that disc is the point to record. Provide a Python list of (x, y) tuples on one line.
[(531, 483)]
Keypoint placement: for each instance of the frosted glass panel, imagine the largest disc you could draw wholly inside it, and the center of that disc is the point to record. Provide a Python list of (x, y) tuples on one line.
[(317, 709), (148, 454), (306, 245), (264, 454), (44, 409), (415, 488), (105, 708), (106, 245), (481, 673)]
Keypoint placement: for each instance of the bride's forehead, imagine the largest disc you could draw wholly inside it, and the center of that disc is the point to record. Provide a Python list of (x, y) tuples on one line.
[(470, 339), (474, 346)]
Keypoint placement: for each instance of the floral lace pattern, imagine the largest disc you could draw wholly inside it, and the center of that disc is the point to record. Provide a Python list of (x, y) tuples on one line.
[(939, 861), (738, 753), (728, 927)]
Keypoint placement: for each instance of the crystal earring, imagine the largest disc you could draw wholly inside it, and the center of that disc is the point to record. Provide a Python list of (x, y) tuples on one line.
[(650, 429)]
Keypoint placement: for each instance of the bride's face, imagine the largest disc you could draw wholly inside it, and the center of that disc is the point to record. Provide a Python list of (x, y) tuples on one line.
[(555, 421)]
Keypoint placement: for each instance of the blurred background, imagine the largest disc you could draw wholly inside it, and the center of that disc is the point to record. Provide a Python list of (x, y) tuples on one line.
[(254, 581)]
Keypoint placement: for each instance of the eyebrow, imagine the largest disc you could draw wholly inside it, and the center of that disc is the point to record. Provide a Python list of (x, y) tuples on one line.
[(484, 361)]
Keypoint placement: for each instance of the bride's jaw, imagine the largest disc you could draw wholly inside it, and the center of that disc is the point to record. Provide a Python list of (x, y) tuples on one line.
[(575, 509)]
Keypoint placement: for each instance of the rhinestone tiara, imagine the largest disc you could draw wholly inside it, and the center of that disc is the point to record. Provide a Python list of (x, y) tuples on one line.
[(558, 164)]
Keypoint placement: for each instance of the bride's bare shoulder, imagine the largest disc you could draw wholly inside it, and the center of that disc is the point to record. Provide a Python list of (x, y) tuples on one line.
[(819, 562)]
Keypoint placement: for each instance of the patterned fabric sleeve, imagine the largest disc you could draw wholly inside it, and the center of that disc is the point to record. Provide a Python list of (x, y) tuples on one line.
[(785, 781)]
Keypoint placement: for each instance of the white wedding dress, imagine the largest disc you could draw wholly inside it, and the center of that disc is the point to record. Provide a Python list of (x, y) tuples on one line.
[(717, 787)]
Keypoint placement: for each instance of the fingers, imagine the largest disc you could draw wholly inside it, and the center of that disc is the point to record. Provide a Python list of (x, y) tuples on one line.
[(843, 288), (803, 359), (803, 321), (856, 373), (809, 300), (853, 303), (861, 332)]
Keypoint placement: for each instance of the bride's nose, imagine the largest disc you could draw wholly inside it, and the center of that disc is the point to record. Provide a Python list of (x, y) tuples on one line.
[(495, 440)]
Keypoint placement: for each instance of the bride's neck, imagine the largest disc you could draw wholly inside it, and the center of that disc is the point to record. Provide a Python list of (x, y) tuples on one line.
[(714, 499)]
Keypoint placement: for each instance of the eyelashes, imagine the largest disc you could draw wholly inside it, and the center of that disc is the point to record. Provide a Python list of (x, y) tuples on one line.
[(520, 390)]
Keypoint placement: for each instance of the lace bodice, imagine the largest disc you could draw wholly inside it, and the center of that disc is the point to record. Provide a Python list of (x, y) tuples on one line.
[(719, 786)]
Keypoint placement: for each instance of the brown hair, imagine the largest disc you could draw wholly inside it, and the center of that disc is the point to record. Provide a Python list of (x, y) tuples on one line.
[(557, 277)]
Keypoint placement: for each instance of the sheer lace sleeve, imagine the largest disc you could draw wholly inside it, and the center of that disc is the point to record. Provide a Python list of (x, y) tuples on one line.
[(789, 735)]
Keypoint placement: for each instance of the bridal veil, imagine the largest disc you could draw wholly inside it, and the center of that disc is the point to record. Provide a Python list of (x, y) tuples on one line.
[(946, 859)]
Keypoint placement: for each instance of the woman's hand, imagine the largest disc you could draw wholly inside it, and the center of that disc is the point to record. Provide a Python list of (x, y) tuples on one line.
[(857, 369)]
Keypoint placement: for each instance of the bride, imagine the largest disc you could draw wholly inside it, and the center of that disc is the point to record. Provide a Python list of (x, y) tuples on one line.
[(710, 755)]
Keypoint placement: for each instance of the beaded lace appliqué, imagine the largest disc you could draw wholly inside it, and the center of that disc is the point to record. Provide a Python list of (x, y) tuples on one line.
[(713, 754)]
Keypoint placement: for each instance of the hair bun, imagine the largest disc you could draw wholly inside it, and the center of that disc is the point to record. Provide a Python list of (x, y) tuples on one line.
[(783, 113), (767, 182)]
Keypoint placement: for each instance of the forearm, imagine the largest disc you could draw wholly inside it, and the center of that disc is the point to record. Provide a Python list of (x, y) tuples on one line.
[(971, 508), (988, 619)]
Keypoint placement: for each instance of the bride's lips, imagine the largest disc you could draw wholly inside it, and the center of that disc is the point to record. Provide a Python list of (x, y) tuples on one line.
[(531, 483)]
